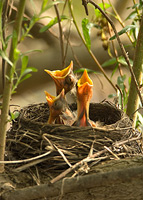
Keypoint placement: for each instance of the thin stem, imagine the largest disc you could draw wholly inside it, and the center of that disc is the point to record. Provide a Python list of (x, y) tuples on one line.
[(61, 34), (89, 51)]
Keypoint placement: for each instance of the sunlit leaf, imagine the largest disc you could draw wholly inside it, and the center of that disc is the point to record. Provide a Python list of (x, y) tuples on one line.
[(44, 4), (122, 61), (5, 57), (31, 51), (25, 77), (7, 40), (48, 6), (109, 62), (24, 63), (29, 70), (124, 30), (132, 15), (14, 115), (114, 70), (106, 5), (52, 23), (86, 32), (111, 95), (120, 82)]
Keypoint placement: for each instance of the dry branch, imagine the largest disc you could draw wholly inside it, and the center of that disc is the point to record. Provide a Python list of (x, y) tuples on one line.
[(82, 183)]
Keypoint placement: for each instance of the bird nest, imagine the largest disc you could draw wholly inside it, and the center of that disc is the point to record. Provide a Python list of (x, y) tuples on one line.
[(31, 141)]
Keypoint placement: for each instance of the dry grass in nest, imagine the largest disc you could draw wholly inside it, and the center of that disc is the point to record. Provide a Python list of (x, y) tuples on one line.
[(67, 148)]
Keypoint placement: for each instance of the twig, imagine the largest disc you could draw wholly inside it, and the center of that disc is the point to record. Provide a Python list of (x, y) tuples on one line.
[(61, 34), (121, 46), (26, 166), (62, 154), (84, 3), (26, 160), (117, 144), (108, 149)]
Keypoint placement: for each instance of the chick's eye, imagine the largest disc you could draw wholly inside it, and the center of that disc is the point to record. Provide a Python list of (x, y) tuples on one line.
[(68, 80), (57, 105)]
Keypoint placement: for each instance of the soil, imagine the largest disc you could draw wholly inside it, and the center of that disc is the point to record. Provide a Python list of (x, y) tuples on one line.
[(63, 162)]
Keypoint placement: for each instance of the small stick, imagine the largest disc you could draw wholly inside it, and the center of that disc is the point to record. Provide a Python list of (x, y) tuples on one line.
[(62, 154), (117, 144), (23, 167), (108, 149), (61, 34), (26, 160)]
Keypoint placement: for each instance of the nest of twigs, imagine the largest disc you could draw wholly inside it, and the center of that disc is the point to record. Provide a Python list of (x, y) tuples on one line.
[(58, 147)]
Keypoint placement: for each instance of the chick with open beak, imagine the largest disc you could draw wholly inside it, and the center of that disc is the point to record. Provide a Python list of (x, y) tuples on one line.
[(84, 94), (63, 78), (58, 107)]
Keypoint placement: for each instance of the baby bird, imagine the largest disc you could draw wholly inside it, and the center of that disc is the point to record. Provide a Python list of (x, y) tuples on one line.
[(84, 94), (59, 110), (63, 78)]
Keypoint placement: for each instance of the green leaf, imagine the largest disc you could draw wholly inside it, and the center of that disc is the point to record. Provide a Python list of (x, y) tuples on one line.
[(109, 62), (114, 70), (5, 57), (44, 4), (120, 82), (24, 64), (25, 77), (86, 32), (111, 95), (14, 115), (52, 23), (31, 51), (124, 30), (51, 4), (29, 70), (132, 15), (7, 40), (122, 61), (97, 12)]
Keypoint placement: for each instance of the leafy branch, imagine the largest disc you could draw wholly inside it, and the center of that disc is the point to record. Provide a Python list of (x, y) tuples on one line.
[(9, 79)]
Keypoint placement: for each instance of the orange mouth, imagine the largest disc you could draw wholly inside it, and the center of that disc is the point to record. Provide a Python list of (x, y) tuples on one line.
[(84, 87), (63, 78), (84, 94)]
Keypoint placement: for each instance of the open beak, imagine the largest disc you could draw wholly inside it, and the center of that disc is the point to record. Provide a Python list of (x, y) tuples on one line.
[(84, 87), (84, 94), (63, 78), (58, 108)]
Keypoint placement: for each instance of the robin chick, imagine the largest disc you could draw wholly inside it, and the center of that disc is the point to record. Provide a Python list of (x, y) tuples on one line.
[(84, 94), (63, 78), (59, 109)]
